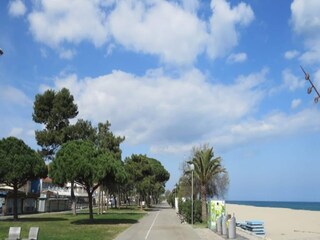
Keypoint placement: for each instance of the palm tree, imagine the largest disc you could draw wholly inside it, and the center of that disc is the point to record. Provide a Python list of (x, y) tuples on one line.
[(206, 167)]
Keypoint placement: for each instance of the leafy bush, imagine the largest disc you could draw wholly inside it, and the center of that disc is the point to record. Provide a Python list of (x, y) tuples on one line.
[(171, 200), (185, 210)]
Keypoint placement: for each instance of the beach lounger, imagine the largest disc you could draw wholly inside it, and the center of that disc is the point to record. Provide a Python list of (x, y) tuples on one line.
[(256, 227), (14, 233), (33, 234)]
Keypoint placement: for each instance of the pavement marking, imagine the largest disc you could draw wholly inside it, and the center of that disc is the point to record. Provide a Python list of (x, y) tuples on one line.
[(154, 220)]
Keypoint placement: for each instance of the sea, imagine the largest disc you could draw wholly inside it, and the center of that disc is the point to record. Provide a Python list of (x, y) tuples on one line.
[(311, 206)]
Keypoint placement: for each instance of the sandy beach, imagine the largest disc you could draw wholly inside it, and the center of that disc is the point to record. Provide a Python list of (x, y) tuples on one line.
[(281, 223)]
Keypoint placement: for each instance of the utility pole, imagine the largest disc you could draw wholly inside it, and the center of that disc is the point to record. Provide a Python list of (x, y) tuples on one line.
[(192, 169)]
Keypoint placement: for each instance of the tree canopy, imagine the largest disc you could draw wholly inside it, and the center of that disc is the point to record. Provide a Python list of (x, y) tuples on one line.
[(107, 141), (19, 164), (147, 176), (92, 160), (210, 178), (81, 162), (54, 110), (206, 168)]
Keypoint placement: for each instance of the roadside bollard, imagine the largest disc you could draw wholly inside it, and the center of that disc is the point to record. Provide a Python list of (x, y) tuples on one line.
[(224, 225), (219, 225), (232, 228)]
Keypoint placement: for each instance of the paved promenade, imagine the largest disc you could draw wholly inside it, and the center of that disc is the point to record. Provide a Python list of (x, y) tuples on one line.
[(162, 223)]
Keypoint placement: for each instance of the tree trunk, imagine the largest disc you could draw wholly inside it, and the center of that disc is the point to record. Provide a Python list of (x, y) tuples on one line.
[(108, 198), (90, 205), (148, 199), (103, 201), (115, 200), (203, 203), (15, 203), (74, 200), (140, 200), (99, 202), (119, 199)]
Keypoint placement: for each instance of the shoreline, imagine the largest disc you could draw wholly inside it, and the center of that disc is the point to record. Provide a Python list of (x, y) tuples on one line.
[(280, 223), (308, 206)]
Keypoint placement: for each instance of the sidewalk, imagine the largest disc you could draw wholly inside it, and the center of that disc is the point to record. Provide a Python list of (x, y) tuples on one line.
[(206, 234), (163, 223), (160, 223)]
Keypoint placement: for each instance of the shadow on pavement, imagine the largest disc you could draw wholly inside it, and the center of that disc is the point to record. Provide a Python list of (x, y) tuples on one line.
[(104, 221), (158, 207)]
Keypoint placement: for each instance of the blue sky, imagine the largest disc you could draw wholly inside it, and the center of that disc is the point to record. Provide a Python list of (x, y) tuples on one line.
[(170, 75)]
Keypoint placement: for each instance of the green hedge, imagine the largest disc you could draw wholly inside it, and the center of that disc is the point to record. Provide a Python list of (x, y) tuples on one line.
[(171, 199), (185, 210)]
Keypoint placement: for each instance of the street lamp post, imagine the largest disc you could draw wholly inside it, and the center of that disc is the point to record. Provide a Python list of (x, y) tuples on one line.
[(307, 77), (192, 169)]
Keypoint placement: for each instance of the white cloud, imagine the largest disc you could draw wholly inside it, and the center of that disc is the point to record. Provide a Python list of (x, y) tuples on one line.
[(170, 30), (15, 111), (110, 49), (11, 95), (305, 17), (295, 103), (20, 128), (160, 28), (250, 130), (176, 148), (237, 58), (17, 8), (174, 114), (291, 54), (310, 57), (291, 81), (158, 109), (275, 125), (67, 54), (16, 132), (306, 22), (72, 21), (223, 33)]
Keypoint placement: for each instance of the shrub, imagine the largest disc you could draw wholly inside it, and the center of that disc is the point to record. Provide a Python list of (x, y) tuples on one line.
[(171, 200), (185, 210)]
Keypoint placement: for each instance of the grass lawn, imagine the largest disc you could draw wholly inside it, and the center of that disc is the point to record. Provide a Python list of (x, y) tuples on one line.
[(66, 226)]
